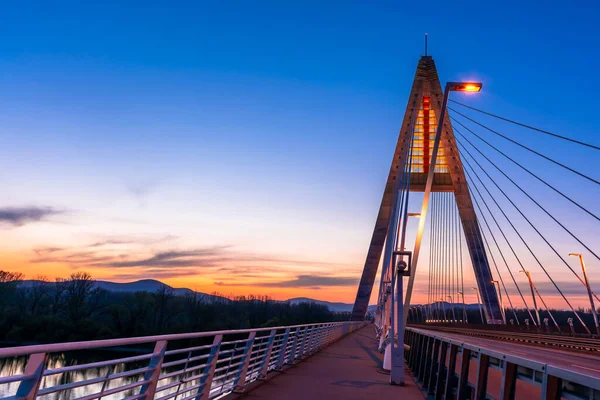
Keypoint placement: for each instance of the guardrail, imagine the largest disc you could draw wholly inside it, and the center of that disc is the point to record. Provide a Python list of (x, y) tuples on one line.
[(551, 340), (432, 355), (202, 365)]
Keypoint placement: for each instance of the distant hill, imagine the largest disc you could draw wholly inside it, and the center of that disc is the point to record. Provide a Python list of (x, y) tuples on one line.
[(333, 306), (153, 286), (144, 285)]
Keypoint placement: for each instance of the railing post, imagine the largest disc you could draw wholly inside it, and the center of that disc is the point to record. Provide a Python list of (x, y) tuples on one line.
[(427, 363), (439, 383), (462, 388), (28, 388), (509, 375), (321, 337), (149, 389), (264, 369), (282, 349), (551, 387), (294, 346), (451, 371), (309, 340), (304, 337), (433, 367), (209, 370), (423, 359), (482, 376), (240, 379)]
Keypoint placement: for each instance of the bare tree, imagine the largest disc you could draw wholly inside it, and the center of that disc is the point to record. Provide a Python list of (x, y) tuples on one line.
[(81, 296), (58, 294), (36, 293), (9, 282), (10, 277)]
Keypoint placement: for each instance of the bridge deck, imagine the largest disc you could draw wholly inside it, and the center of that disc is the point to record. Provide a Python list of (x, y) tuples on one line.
[(349, 369)]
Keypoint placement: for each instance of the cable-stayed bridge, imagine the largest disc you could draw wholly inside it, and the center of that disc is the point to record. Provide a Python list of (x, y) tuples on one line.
[(491, 202)]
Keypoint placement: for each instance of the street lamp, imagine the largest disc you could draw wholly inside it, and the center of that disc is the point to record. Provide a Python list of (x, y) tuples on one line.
[(465, 318), (589, 290), (501, 302), (537, 313), (479, 304), (442, 301), (452, 305), (450, 87)]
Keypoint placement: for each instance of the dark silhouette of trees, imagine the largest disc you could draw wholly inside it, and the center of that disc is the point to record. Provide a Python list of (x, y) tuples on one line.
[(74, 309)]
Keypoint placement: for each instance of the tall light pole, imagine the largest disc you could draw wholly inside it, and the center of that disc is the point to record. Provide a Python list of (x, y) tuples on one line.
[(537, 313), (452, 305), (450, 87), (444, 308), (465, 318), (479, 304), (589, 290), (501, 302)]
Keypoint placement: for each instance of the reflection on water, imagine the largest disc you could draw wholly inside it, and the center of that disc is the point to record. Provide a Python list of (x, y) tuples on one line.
[(16, 366)]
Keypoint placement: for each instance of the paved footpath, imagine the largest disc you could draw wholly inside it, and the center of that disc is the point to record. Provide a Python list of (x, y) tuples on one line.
[(348, 369)]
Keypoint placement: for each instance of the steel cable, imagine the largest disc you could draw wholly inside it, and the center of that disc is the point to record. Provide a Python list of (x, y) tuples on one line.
[(528, 126), (528, 148), (516, 231)]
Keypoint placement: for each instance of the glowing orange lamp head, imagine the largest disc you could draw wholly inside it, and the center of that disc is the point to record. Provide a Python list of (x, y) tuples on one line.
[(465, 86)]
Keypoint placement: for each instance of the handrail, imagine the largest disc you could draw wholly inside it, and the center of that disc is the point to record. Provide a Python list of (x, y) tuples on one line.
[(103, 343), (200, 371)]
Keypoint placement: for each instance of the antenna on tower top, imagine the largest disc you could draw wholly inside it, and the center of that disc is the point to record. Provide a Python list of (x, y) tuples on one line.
[(425, 43)]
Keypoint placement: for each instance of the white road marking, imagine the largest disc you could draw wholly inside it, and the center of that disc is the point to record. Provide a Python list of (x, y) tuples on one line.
[(590, 369)]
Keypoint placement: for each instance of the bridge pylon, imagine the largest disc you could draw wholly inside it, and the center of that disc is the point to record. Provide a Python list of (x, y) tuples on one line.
[(418, 131)]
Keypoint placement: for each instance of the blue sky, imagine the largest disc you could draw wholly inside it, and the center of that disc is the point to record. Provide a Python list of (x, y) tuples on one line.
[(265, 128)]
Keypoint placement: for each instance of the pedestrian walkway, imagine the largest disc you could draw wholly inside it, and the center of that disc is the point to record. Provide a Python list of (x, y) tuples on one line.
[(348, 369)]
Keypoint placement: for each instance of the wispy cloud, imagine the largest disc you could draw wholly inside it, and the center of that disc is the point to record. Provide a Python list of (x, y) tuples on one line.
[(302, 281), (18, 216), (209, 261), (174, 258)]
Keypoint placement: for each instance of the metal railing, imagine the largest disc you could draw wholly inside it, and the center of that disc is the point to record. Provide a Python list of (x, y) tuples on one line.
[(433, 361), (533, 338), (203, 365)]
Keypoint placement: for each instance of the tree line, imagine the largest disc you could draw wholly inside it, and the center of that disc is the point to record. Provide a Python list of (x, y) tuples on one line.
[(73, 309)]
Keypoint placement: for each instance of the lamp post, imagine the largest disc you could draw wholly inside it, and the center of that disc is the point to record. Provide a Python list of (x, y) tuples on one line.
[(442, 301), (501, 302), (589, 290), (450, 87), (479, 304), (452, 305), (465, 318), (537, 313)]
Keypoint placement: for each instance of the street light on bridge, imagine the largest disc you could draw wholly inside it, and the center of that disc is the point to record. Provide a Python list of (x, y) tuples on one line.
[(479, 304), (465, 318), (464, 86), (501, 302), (399, 303), (589, 290), (537, 313)]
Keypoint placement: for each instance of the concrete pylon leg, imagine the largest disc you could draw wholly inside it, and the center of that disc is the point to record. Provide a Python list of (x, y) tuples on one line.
[(387, 357)]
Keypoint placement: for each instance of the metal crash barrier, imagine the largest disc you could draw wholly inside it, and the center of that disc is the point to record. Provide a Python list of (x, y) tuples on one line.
[(431, 355), (202, 365)]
